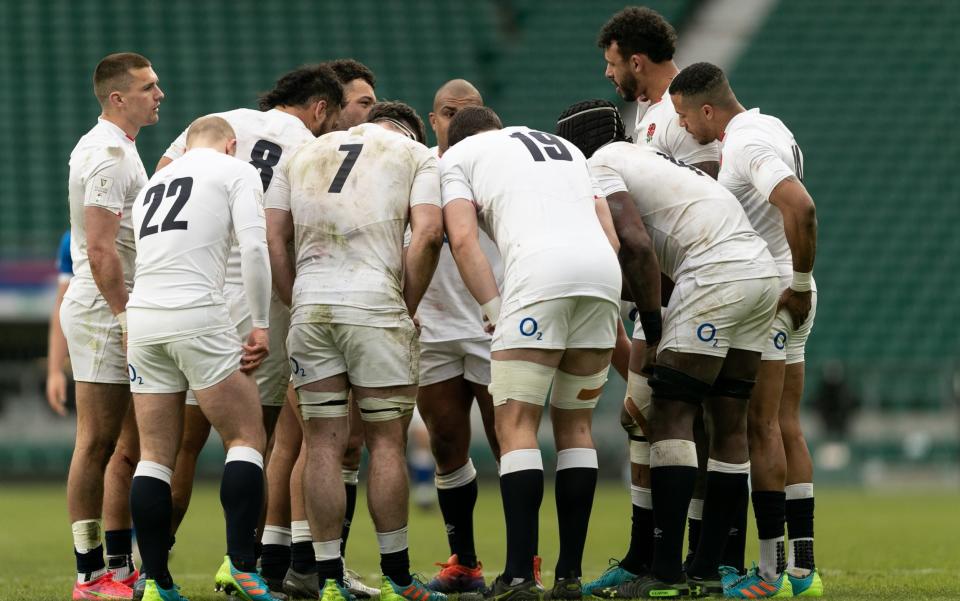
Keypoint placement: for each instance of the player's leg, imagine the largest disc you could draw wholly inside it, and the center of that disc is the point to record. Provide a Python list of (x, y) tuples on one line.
[(577, 386), (350, 472), (802, 571), (100, 412), (768, 467), (476, 371), (196, 430), (233, 407), (324, 408), (161, 425), (445, 409), (277, 537), (117, 524)]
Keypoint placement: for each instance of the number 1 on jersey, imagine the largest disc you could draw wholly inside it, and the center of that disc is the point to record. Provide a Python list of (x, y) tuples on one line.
[(353, 151), (551, 144)]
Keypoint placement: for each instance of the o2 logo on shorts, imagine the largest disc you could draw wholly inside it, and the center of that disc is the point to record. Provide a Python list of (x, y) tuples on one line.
[(132, 372), (297, 370), (780, 340), (707, 332), (529, 327)]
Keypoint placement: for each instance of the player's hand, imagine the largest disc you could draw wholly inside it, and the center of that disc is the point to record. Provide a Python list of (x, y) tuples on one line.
[(416, 324), (255, 350), (57, 392), (797, 304), (488, 327)]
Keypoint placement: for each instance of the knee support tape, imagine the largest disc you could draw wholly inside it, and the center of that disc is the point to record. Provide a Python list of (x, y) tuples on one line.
[(672, 385), (373, 409), (519, 380), (640, 451), (577, 392), (636, 404), (322, 404), (673, 452)]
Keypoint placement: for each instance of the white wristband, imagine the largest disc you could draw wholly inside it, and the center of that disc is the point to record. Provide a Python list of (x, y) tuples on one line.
[(491, 310), (122, 318), (802, 282)]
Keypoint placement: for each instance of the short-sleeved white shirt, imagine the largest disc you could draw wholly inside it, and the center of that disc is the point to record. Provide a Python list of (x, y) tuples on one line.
[(534, 196), (105, 171), (759, 152), (696, 225), (658, 126), (265, 139), (185, 219), (350, 194), (448, 311)]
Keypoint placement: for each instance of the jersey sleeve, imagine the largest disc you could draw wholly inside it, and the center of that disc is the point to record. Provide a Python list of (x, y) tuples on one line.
[(105, 183), (682, 146), (760, 164), (453, 181), (177, 148), (278, 194), (606, 178), (426, 182), (246, 200), (64, 260)]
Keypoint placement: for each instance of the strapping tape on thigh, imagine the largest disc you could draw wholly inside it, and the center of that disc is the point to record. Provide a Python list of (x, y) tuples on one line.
[(322, 404), (577, 392), (373, 409), (519, 380)]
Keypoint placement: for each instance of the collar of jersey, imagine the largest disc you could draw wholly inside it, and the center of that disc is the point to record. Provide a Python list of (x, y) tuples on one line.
[(116, 130)]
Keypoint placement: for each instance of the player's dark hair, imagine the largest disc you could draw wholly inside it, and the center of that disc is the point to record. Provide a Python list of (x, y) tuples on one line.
[(700, 78), (399, 112), (472, 120), (303, 86), (348, 69), (113, 73), (640, 30), (591, 124)]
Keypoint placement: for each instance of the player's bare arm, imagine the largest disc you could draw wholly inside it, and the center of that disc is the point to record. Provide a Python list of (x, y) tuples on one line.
[(163, 162), (641, 270), (420, 258), (279, 236), (800, 226), (56, 355), (460, 221), (255, 268), (711, 168), (102, 226)]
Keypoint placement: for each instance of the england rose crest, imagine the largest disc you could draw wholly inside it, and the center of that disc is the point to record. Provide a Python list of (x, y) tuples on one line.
[(650, 130)]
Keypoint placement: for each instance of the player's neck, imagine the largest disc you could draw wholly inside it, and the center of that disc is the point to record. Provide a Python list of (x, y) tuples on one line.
[(660, 81), (726, 115), (128, 128), (297, 112)]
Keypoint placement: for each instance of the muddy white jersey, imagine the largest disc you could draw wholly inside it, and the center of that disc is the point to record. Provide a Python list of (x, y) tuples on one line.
[(448, 311), (349, 194), (535, 198), (105, 171), (696, 225), (186, 219), (658, 127), (265, 139), (759, 152)]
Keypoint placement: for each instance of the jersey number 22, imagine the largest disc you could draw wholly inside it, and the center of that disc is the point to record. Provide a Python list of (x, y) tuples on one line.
[(179, 188)]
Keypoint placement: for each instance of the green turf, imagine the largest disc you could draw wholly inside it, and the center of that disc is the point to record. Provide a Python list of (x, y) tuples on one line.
[(869, 546)]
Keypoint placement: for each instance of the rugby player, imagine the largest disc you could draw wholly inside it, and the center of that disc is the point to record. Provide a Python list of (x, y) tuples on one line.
[(763, 168), (56, 343), (182, 337), (345, 200), (105, 176), (455, 369), (715, 326), (303, 104), (638, 46), (555, 320)]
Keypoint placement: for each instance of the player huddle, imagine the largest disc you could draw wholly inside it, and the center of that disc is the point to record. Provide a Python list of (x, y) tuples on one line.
[(303, 276)]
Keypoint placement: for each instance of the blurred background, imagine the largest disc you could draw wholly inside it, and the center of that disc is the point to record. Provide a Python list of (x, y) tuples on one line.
[(869, 88)]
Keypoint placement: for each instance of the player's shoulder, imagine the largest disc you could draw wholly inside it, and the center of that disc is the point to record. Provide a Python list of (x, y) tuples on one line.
[(754, 125), (99, 143)]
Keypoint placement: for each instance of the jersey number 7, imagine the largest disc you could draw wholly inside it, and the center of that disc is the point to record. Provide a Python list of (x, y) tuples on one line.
[(353, 151)]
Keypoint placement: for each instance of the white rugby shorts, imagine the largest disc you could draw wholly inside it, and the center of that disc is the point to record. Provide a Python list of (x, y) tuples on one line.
[(442, 361), (559, 323)]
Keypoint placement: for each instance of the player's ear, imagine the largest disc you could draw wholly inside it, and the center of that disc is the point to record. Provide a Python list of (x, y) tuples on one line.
[(320, 111), (232, 147), (115, 99), (636, 62)]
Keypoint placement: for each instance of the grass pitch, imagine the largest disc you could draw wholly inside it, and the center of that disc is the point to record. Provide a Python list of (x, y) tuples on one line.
[(869, 546)]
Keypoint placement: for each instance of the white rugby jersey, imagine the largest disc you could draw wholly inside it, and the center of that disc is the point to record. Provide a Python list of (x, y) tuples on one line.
[(105, 171), (696, 225), (350, 194), (265, 139), (448, 311), (535, 197), (186, 218), (658, 126), (759, 152)]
